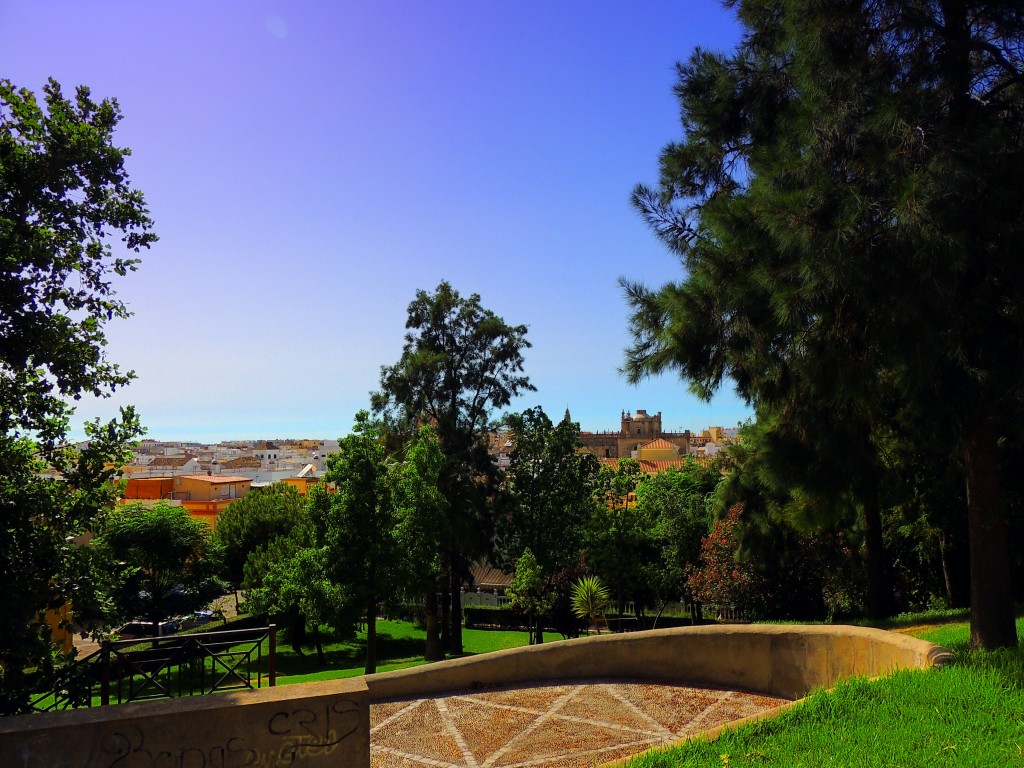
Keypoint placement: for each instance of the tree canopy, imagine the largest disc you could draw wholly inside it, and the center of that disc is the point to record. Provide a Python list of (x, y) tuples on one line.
[(846, 205), (356, 526), (253, 521), (549, 487), (546, 503), (65, 201), (460, 361), (162, 562)]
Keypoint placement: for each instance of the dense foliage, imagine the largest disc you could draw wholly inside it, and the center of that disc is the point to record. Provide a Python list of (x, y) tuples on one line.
[(161, 561), (545, 507), (64, 196), (253, 521), (845, 202), (459, 363)]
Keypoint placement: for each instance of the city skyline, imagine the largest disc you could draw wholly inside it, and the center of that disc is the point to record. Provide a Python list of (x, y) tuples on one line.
[(284, 438), (309, 168)]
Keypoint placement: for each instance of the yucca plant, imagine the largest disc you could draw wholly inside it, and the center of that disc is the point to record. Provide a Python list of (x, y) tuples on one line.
[(589, 599)]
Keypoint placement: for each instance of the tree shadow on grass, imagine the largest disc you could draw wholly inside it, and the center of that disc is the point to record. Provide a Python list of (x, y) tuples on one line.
[(347, 655)]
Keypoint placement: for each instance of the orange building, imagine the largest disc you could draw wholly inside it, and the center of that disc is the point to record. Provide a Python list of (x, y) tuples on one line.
[(210, 487), (149, 488), (301, 484), (654, 457), (206, 496)]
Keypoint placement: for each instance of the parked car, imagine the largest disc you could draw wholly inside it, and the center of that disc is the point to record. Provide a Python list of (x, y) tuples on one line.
[(140, 628), (197, 619)]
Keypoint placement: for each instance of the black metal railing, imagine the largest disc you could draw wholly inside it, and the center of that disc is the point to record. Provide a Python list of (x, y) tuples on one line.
[(163, 667)]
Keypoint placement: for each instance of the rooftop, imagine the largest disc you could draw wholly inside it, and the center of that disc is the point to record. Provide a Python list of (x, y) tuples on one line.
[(217, 479)]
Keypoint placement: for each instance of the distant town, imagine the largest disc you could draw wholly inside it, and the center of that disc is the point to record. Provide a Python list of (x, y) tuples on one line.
[(205, 478)]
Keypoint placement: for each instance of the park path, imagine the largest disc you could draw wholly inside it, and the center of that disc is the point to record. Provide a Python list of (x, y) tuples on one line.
[(548, 726)]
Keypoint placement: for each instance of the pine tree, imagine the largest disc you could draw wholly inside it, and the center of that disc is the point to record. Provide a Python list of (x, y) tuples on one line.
[(846, 206)]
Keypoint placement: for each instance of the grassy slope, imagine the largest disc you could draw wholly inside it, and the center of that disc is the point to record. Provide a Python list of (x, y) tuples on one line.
[(967, 714)]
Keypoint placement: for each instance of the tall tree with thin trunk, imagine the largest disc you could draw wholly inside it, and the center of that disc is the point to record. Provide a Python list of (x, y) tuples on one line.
[(355, 526), (846, 204), (460, 362), (547, 500), (421, 511)]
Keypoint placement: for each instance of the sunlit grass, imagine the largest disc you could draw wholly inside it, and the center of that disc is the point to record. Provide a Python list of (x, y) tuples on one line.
[(399, 644), (966, 714)]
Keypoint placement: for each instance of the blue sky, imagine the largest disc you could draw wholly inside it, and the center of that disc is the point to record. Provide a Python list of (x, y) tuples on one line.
[(310, 166)]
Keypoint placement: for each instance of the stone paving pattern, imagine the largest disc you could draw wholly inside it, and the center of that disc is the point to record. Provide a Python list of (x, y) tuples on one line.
[(548, 726)]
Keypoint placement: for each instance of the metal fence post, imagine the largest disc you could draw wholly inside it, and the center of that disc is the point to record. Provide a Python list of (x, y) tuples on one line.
[(272, 660), (105, 673)]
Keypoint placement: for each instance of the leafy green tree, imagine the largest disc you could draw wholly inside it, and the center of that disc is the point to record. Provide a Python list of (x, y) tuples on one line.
[(460, 361), (289, 580), (548, 497), (529, 594), (619, 541), (421, 513), (64, 195), (254, 520), (354, 548), (165, 563), (679, 502), (846, 205), (355, 527), (590, 599)]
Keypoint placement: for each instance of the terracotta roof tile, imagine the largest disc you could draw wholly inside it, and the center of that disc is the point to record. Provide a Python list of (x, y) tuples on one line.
[(242, 462), (170, 461), (658, 445), (648, 466)]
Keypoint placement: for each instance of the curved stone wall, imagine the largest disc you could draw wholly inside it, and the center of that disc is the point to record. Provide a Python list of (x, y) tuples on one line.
[(778, 660), (327, 723)]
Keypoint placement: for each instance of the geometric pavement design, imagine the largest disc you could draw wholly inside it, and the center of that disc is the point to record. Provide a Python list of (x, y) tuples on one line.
[(548, 726)]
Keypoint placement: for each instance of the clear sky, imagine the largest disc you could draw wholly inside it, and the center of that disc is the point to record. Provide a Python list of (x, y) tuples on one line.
[(310, 165)]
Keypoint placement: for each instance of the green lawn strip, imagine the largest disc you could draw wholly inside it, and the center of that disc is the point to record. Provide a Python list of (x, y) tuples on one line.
[(399, 645), (968, 713), (905, 620)]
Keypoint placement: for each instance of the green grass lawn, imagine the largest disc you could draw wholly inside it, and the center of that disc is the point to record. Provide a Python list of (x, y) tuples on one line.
[(970, 713), (399, 644)]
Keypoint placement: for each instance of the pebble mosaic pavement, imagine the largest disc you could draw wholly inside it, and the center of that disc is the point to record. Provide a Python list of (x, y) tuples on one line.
[(548, 726)]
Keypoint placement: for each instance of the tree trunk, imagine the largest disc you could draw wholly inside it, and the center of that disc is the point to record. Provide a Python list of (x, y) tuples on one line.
[(539, 629), (297, 632), (455, 616), (433, 651), (657, 616), (992, 616), (321, 659), (446, 624), (955, 571), (879, 596), (371, 638)]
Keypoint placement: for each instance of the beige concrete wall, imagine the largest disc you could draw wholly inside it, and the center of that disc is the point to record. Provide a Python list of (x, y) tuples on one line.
[(778, 660), (319, 724), (311, 724), (192, 488)]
